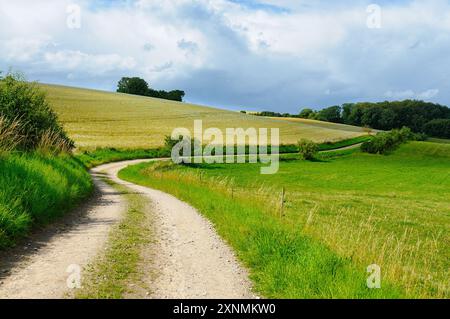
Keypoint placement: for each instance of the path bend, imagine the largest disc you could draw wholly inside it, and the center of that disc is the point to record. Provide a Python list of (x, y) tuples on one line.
[(191, 260)]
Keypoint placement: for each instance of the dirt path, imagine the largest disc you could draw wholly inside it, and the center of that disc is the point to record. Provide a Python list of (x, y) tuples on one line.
[(39, 268), (350, 147), (192, 261)]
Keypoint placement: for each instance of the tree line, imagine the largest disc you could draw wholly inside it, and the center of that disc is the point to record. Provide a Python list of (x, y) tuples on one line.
[(421, 117), (138, 86)]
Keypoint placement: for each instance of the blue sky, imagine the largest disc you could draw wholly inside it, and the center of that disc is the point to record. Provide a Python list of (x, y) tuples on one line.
[(277, 55)]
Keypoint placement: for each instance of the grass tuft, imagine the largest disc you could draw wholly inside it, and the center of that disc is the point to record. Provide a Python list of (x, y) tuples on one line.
[(119, 271)]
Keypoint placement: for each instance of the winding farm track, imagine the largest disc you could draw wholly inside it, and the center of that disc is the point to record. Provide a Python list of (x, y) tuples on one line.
[(191, 260)]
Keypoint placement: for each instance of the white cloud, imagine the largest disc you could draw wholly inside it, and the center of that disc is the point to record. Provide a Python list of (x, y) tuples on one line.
[(223, 52), (428, 94), (91, 63), (410, 94), (23, 49)]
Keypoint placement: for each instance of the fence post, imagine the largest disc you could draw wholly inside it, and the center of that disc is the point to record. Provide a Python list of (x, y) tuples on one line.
[(282, 201)]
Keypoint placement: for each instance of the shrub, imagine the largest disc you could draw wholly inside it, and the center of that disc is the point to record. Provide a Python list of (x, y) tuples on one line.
[(438, 128), (169, 143), (388, 141), (307, 149), (24, 103)]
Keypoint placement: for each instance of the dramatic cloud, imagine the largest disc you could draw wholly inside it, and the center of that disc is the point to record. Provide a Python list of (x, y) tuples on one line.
[(255, 54)]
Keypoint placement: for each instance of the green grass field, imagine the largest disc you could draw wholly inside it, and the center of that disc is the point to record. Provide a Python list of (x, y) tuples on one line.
[(103, 119), (341, 214)]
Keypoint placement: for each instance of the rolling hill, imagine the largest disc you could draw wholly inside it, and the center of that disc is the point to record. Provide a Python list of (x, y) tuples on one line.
[(105, 119)]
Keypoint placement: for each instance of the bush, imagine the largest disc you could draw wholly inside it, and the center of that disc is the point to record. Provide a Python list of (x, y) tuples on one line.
[(170, 143), (24, 103), (438, 128), (307, 149), (388, 141)]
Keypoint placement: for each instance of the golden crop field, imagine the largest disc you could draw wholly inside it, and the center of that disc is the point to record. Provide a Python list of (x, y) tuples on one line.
[(105, 119)]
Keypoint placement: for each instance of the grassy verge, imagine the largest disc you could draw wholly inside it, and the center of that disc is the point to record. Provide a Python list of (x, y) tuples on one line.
[(107, 155), (438, 140), (91, 158), (340, 214), (117, 273), (344, 143), (35, 189)]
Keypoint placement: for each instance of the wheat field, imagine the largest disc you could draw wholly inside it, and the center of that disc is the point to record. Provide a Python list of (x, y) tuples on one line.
[(104, 119)]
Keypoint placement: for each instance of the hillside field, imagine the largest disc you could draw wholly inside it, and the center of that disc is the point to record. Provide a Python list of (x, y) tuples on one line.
[(104, 119)]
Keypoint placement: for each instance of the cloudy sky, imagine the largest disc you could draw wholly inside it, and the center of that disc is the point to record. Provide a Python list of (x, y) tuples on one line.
[(278, 55)]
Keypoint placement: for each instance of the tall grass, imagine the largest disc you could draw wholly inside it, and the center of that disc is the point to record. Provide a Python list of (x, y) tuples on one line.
[(10, 136), (35, 189), (51, 143)]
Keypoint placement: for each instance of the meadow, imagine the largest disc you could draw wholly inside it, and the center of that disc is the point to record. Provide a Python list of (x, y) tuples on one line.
[(97, 119), (311, 230)]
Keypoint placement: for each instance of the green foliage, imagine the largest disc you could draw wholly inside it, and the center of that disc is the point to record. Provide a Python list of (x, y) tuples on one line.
[(24, 106), (169, 143), (134, 85), (307, 149), (138, 86), (438, 128), (35, 189), (174, 95), (274, 114), (389, 115), (385, 142), (330, 114), (306, 113)]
